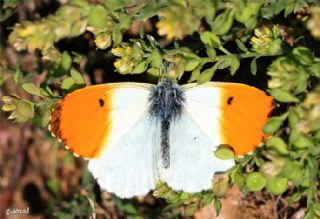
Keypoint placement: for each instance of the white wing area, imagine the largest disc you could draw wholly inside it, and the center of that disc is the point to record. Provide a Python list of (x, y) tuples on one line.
[(193, 139), (129, 106), (192, 162), (202, 105), (127, 168)]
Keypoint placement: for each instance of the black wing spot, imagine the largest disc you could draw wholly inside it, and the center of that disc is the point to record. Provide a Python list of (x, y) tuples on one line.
[(229, 101), (101, 102)]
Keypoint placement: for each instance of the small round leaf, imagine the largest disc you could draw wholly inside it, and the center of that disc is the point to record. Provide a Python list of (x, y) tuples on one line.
[(277, 185), (255, 182), (224, 153)]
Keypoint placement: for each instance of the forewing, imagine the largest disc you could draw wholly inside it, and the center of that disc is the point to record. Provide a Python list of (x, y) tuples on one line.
[(230, 113), (110, 125)]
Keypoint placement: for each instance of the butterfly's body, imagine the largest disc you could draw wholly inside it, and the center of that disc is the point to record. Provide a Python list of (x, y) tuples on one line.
[(135, 134), (166, 105)]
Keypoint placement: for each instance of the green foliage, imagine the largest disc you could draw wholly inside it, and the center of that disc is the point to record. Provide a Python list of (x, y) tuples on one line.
[(255, 182), (195, 40), (224, 153)]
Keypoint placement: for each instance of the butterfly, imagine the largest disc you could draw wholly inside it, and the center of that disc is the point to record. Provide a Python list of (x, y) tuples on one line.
[(134, 134)]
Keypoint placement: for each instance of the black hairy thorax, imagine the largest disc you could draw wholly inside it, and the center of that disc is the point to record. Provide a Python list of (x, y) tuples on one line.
[(166, 105)]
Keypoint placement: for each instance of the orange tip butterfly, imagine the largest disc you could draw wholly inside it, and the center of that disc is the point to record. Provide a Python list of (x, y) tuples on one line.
[(134, 134)]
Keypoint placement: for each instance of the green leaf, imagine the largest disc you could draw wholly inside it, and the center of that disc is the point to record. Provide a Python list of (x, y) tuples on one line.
[(235, 64), (315, 69), (293, 118), (210, 39), (303, 55), (253, 66), (64, 65), (154, 74), (140, 67), (211, 52), (192, 64), (155, 59), (224, 153), (283, 96), (32, 89), (207, 198), (46, 90), (277, 185), (294, 135), (24, 111), (18, 75), (217, 206), (116, 37), (225, 62), (299, 5), (242, 46), (67, 83), (293, 172), (98, 17), (239, 179), (206, 76), (191, 209), (54, 186), (258, 161), (289, 7), (249, 11), (272, 125), (223, 22), (125, 21), (277, 144), (129, 209), (184, 196), (302, 142), (295, 197), (76, 76), (316, 209), (255, 182), (45, 117), (150, 10), (195, 74), (78, 28)]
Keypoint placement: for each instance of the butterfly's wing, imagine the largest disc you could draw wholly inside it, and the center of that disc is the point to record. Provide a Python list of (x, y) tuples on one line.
[(109, 125), (240, 113), (214, 114), (192, 162)]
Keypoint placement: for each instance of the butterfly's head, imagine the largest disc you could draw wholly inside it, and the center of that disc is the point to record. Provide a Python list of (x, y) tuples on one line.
[(166, 100)]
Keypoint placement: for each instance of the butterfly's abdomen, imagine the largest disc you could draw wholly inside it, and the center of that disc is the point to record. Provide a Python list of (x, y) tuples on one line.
[(166, 104)]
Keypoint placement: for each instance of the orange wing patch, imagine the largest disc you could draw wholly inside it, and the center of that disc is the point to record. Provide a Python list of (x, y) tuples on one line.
[(245, 109), (82, 120)]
